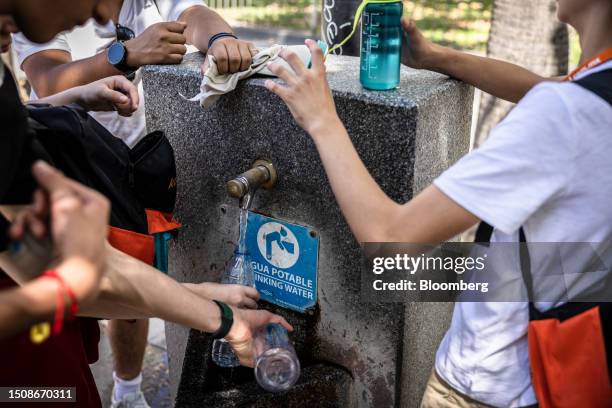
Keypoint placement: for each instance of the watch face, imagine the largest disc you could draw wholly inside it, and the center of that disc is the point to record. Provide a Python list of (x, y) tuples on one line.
[(116, 52)]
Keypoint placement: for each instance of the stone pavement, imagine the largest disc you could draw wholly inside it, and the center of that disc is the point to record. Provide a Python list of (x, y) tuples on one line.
[(155, 383)]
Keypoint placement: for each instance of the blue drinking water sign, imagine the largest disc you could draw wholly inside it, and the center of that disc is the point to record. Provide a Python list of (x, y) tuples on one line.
[(284, 258)]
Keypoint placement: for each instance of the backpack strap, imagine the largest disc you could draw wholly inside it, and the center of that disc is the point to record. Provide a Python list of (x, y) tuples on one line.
[(483, 234), (599, 83), (483, 237)]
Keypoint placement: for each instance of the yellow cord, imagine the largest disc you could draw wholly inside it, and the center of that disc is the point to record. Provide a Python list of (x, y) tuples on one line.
[(356, 22)]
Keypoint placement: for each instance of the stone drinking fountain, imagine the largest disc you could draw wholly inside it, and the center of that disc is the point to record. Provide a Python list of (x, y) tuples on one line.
[(354, 353)]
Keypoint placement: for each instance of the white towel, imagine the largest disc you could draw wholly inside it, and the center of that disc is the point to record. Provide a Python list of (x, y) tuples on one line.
[(214, 84)]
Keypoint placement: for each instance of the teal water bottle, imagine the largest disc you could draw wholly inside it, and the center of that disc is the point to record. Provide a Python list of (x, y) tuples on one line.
[(381, 44)]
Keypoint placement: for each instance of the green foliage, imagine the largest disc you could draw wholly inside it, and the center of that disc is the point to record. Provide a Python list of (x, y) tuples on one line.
[(457, 23)]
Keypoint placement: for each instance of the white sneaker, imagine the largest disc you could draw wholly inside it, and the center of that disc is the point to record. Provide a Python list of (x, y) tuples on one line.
[(132, 400)]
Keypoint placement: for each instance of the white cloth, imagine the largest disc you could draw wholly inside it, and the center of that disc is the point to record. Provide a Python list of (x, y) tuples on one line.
[(91, 39), (546, 167), (214, 84)]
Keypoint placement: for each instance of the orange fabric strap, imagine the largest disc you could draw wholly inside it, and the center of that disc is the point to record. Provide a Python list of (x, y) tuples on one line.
[(142, 246), (139, 246), (161, 222)]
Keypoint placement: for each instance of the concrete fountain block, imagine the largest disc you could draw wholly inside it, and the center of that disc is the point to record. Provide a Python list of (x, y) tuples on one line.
[(406, 137)]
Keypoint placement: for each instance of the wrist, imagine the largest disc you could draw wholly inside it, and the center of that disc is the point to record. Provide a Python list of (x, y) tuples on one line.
[(219, 36), (77, 95), (438, 59), (321, 129), (39, 300), (80, 274), (236, 332), (133, 59), (226, 320)]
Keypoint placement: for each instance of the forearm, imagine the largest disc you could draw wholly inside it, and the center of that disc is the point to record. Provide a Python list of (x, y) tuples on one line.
[(67, 97), (50, 76), (202, 23), (36, 300), (131, 289), (430, 217), (356, 191), (78, 273), (498, 78), (24, 306), (205, 289)]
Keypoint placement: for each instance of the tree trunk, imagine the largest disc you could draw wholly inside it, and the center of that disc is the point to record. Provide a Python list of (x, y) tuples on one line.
[(337, 23), (527, 33)]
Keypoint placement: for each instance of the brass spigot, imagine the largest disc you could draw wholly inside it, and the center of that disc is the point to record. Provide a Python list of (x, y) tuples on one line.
[(262, 174)]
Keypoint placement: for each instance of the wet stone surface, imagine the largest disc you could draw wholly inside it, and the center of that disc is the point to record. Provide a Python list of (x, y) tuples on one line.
[(406, 137)]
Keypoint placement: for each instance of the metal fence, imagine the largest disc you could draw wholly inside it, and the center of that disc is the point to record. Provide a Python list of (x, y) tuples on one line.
[(229, 3)]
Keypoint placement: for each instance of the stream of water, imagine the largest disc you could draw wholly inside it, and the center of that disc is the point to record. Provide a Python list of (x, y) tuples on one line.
[(242, 231), (239, 271)]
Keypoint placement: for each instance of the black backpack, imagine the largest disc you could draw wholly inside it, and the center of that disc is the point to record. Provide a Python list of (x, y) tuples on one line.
[(570, 346), (133, 180)]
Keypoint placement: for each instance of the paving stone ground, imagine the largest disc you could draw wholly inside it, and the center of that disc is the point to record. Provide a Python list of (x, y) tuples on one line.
[(156, 381)]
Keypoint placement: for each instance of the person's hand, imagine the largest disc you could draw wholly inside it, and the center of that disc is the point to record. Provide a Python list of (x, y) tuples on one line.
[(246, 324), (306, 91), (421, 53), (231, 55), (7, 26), (234, 295), (115, 93), (161, 43), (76, 218)]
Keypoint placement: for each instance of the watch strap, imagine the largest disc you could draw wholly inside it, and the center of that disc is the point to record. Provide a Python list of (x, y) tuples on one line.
[(227, 320), (122, 66)]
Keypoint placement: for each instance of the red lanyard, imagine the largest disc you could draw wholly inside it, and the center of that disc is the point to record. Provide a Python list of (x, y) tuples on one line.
[(592, 63)]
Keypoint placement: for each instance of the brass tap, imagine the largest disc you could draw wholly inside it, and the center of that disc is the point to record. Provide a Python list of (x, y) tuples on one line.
[(262, 174)]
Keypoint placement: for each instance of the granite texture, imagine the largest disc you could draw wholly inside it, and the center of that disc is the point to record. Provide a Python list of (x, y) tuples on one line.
[(406, 137)]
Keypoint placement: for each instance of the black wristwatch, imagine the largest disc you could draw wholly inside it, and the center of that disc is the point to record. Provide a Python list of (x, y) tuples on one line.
[(117, 55), (227, 320)]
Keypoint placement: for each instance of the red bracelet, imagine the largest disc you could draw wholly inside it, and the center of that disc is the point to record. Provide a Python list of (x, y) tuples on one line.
[(61, 305)]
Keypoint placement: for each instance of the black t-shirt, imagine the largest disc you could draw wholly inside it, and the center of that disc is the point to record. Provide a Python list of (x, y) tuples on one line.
[(16, 155), (62, 360)]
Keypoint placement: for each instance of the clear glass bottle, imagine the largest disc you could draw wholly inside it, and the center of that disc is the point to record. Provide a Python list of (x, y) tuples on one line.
[(239, 271), (277, 367), (381, 45)]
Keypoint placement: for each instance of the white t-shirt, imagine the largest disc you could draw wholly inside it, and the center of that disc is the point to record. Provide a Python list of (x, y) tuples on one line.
[(91, 39), (546, 167)]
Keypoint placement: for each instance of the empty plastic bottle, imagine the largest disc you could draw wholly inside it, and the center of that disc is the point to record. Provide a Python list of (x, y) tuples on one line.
[(381, 44), (238, 272), (277, 367)]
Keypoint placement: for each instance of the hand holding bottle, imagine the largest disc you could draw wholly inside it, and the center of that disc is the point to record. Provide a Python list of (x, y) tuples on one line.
[(421, 53), (246, 324)]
